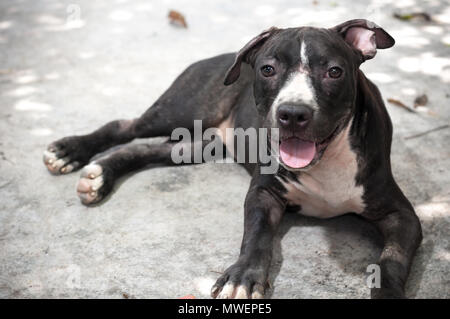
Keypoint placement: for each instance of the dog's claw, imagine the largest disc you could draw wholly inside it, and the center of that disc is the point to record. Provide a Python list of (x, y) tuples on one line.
[(232, 291)]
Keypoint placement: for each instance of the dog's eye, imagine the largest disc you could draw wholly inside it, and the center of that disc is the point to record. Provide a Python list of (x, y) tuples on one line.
[(334, 72), (268, 70)]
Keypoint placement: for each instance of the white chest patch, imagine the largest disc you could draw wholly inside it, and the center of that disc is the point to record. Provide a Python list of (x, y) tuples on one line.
[(328, 188)]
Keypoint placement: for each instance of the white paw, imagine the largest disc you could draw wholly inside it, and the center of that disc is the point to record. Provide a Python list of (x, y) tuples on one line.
[(89, 184), (58, 165), (232, 291)]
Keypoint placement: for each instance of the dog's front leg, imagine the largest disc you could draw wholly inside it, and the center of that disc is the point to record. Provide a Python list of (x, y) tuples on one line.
[(402, 234), (247, 278)]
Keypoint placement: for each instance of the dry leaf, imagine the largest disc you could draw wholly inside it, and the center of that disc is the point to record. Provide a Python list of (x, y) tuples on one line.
[(401, 104), (409, 16), (177, 18), (421, 100)]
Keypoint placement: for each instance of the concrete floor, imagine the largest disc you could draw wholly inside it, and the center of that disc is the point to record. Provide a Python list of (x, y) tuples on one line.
[(166, 232)]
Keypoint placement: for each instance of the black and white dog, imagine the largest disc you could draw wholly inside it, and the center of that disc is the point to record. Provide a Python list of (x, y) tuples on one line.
[(333, 145)]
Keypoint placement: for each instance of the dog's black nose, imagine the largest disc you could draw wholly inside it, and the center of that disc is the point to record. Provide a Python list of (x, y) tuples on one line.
[(293, 116)]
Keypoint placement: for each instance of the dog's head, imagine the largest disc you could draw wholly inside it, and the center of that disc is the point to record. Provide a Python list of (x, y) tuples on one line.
[(305, 82)]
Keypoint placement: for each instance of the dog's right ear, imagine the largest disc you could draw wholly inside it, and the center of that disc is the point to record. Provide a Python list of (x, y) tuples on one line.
[(246, 54), (364, 36)]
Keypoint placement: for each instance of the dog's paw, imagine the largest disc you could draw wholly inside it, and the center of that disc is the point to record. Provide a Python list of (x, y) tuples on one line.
[(94, 184), (65, 155), (240, 282)]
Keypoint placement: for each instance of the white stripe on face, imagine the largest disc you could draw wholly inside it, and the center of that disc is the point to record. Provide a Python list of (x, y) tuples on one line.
[(298, 87), (303, 57)]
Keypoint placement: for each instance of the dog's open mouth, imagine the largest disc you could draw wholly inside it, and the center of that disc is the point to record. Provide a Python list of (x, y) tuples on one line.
[(297, 153)]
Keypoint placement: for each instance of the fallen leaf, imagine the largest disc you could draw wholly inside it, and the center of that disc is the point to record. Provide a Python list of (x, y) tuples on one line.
[(401, 104), (409, 16), (421, 100), (177, 18)]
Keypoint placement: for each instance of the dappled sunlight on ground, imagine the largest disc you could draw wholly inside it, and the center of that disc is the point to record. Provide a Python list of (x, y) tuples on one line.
[(437, 207), (32, 106), (426, 63)]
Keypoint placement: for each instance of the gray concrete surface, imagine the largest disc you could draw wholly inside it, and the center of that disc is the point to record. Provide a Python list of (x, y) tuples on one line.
[(166, 232)]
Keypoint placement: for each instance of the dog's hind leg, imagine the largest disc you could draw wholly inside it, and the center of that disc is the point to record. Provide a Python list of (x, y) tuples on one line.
[(97, 179)]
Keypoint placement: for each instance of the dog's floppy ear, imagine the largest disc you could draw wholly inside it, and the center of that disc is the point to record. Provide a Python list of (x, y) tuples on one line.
[(246, 54), (365, 36)]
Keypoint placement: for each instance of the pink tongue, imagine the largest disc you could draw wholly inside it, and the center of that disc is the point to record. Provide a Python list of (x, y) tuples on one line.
[(297, 153)]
